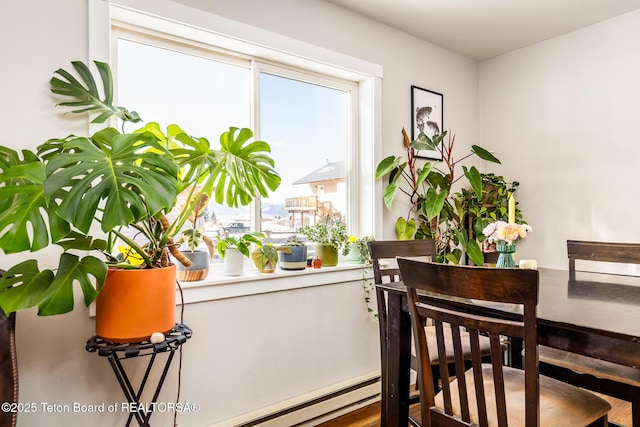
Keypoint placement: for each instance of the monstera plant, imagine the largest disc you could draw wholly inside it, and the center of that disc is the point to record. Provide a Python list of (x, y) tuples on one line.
[(435, 210), (111, 189)]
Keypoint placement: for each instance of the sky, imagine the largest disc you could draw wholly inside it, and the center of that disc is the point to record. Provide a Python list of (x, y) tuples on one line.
[(305, 124)]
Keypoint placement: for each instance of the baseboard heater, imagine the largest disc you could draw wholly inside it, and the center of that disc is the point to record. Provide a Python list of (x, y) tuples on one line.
[(316, 407)]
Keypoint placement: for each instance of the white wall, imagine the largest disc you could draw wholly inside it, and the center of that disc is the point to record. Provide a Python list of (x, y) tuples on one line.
[(246, 354), (563, 115), (406, 61), (230, 367)]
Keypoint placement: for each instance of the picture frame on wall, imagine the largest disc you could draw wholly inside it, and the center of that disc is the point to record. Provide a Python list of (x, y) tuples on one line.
[(427, 116)]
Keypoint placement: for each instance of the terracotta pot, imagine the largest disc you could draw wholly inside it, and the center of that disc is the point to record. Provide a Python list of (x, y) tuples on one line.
[(133, 304), (317, 263)]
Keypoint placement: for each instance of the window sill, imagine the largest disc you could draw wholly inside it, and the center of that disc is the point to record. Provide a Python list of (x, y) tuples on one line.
[(217, 286)]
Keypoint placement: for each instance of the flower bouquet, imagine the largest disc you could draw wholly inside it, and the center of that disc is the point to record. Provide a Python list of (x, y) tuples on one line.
[(505, 234)]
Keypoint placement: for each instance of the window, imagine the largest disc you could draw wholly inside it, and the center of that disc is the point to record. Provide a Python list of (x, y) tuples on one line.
[(307, 118), (202, 92), (181, 30), (308, 127)]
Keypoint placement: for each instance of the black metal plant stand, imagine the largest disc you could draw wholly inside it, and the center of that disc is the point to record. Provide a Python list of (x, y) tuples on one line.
[(116, 352)]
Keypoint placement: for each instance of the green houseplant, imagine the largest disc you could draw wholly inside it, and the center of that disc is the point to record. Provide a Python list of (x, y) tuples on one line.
[(120, 185), (296, 257), (491, 206), (242, 243), (233, 250), (435, 212), (359, 250), (266, 257), (330, 238), (195, 245)]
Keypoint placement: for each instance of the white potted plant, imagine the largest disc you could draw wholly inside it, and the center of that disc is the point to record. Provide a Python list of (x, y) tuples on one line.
[(234, 250)]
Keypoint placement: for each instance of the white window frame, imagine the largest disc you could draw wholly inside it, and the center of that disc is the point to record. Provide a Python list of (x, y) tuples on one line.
[(365, 195), (351, 155)]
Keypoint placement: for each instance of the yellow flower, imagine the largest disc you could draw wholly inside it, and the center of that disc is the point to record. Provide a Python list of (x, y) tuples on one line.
[(352, 239), (130, 256)]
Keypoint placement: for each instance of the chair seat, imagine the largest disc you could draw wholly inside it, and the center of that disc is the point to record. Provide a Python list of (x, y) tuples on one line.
[(561, 404), (485, 346), (590, 366)]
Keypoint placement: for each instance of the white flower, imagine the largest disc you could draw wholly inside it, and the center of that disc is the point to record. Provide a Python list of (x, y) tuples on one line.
[(505, 231)]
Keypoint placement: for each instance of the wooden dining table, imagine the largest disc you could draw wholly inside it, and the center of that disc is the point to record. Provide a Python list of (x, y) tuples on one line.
[(597, 315)]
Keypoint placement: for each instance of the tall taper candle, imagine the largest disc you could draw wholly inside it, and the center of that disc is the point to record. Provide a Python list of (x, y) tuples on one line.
[(512, 209)]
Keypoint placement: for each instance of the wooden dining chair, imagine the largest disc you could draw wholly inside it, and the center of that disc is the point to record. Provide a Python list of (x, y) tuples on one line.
[(626, 253), (383, 256), (8, 367), (621, 382), (487, 394)]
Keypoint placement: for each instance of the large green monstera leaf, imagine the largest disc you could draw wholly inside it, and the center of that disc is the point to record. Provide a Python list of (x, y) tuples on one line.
[(24, 285), (23, 205), (242, 170), (85, 94), (109, 177)]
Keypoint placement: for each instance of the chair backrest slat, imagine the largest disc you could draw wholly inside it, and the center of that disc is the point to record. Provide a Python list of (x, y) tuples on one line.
[(444, 367), (476, 361), (604, 251), (625, 253), (462, 385), (390, 249), (454, 286), (498, 380)]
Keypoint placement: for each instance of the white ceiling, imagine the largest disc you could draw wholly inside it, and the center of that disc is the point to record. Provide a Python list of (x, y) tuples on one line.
[(482, 29)]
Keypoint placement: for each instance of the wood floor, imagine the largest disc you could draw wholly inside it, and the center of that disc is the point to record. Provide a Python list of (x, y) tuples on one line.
[(369, 416)]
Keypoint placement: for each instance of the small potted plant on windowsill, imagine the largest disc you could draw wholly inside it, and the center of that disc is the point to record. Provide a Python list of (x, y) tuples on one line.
[(296, 258), (196, 246), (265, 257), (358, 250), (330, 237), (233, 250)]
